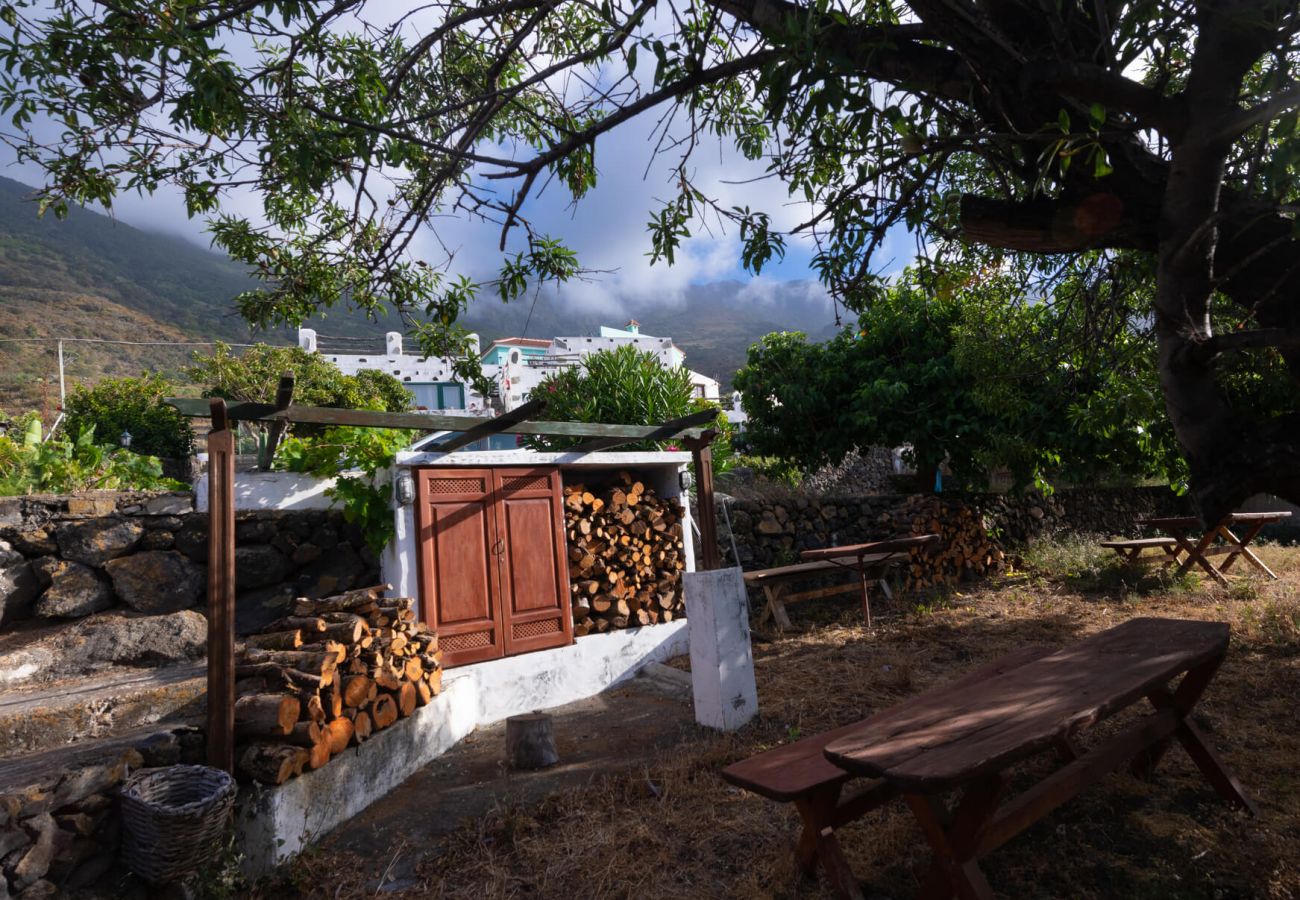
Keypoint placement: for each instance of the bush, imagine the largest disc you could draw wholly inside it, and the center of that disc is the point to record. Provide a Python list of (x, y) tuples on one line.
[(133, 405), (625, 386), (63, 466)]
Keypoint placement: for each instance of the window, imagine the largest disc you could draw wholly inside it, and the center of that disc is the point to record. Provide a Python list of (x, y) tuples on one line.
[(439, 395)]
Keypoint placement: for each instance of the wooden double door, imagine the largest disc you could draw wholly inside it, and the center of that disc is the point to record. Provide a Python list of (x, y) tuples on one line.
[(493, 563)]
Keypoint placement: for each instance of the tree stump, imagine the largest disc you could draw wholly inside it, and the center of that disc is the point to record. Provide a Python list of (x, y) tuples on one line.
[(530, 741)]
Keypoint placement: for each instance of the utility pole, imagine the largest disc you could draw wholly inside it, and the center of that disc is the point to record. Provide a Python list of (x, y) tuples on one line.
[(62, 396)]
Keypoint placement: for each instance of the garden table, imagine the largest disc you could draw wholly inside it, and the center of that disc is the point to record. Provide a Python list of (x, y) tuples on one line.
[(870, 560), (1181, 527), (968, 737)]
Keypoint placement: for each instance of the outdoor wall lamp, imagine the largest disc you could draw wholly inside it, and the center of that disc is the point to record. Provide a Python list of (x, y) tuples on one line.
[(125, 440), (405, 489)]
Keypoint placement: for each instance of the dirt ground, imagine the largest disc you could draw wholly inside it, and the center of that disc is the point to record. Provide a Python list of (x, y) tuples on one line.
[(666, 826)]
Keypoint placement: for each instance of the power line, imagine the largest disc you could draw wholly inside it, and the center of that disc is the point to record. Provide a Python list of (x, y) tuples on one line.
[(126, 343)]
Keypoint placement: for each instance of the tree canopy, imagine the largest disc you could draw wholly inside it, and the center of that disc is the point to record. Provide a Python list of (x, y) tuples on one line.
[(988, 126), (969, 374)]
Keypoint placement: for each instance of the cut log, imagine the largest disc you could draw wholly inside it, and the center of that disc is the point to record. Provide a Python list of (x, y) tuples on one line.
[(383, 711), (304, 734), (407, 699), (338, 734), (346, 602), (358, 691), (266, 715), (272, 763), (361, 727), (276, 640), (530, 741)]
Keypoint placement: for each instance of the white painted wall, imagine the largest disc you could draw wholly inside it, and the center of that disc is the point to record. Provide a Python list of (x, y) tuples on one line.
[(271, 490), (275, 824)]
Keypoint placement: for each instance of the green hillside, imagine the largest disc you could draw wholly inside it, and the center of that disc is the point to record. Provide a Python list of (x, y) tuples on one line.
[(89, 276)]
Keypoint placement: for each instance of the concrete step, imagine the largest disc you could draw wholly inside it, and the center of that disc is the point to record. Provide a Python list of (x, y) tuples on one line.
[(105, 705)]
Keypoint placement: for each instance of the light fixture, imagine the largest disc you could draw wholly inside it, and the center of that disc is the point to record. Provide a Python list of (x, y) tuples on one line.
[(405, 489), (125, 440)]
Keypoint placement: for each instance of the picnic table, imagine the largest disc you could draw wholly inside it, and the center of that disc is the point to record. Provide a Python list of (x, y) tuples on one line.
[(869, 561), (1180, 529), (963, 739)]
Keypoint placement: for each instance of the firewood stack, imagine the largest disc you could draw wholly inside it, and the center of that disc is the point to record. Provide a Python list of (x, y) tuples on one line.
[(327, 677), (965, 549), (625, 555)]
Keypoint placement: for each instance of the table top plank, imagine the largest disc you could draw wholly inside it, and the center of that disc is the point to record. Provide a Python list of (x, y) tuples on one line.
[(891, 546), (790, 771), (979, 729), (1194, 522), (758, 576)]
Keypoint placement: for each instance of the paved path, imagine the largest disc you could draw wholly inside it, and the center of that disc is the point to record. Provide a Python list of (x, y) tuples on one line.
[(617, 730)]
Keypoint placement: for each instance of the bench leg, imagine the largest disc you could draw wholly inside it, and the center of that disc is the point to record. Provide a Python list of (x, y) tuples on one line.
[(866, 595), (955, 870), (775, 609), (818, 844), (1183, 700), (1243, 549)]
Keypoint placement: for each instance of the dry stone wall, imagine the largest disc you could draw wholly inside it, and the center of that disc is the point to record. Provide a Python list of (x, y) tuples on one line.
[(63, 559), (772, 532)]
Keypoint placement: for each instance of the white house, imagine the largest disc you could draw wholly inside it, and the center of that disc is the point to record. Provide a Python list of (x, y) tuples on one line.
[(432, 380), (518, 375)]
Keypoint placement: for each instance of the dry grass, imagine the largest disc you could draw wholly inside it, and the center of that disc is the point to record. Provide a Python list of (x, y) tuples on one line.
[(676, 830)]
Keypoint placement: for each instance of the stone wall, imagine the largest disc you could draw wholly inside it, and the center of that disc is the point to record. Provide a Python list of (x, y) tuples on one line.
[(66, 558), (772, 532)]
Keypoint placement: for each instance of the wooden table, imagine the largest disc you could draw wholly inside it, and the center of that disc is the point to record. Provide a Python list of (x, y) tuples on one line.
[(1180, 527), (870, 560), (968, 738)]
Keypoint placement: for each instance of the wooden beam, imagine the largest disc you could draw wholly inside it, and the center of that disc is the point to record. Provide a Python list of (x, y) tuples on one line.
[(266, 412), (663, 432), (704, 502), (283, 397), (221, 591), (489, 427)]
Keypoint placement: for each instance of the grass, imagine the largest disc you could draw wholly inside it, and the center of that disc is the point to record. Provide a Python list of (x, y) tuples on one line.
[(674, 829)]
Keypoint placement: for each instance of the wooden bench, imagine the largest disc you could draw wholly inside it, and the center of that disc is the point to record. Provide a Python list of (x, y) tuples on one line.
[(776, 583), (867, 562), (1132, 550), (800, 773), (964, 740)]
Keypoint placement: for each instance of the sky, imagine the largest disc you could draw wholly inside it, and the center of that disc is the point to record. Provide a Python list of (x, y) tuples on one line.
[(607, 228)]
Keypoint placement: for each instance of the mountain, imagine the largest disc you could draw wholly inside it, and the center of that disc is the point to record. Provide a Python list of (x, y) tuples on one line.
[(89, 276)]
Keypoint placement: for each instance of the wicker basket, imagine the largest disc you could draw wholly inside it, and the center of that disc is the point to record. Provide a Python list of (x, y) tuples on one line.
[(176, 820)]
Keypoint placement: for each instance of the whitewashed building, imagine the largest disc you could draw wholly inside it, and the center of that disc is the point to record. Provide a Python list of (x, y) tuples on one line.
[(519, 375), (432, 380)]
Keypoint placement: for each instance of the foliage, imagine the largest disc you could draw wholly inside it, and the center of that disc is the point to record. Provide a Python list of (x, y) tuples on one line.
[(358, 460), (64, 466), (1165, 129), (947, 363), (624, 386), (133, 405), (255, 374)]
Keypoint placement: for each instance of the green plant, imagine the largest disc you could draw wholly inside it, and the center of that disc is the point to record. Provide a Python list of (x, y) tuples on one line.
[(625, 386), (63, 466), (357, 458), (134, 405), (254, 375)]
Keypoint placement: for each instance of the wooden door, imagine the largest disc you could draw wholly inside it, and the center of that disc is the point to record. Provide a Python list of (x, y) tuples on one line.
[(533, 567), (493, 562), (458, 565)]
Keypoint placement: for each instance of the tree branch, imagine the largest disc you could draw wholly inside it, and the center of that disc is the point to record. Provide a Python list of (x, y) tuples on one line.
[(1097, 84), (1100, 220)]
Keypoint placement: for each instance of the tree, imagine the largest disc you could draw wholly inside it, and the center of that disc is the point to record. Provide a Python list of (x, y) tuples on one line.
[(133, 405), (953, 365), (255, 374), (1167, 129)]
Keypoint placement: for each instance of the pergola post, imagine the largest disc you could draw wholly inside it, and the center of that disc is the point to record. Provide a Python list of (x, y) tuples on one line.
[(221, 590), (702, 455)]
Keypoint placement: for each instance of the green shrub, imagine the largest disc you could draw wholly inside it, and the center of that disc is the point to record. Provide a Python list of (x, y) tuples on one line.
[(624, 386), (64, 466), (134, 405)]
